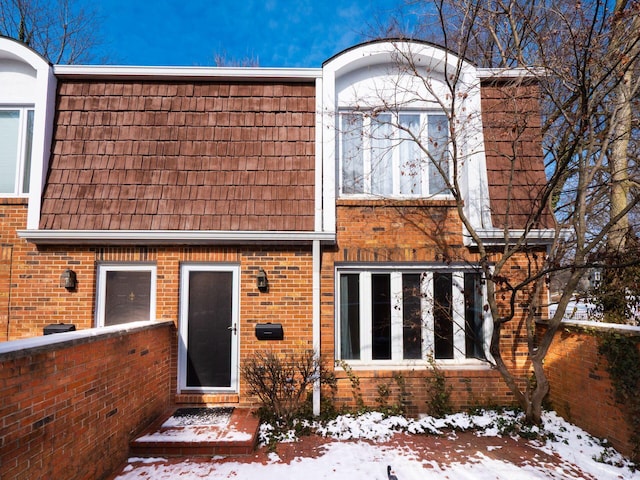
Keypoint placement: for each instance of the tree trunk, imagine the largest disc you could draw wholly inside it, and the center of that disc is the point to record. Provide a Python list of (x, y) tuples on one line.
[(624, 49)]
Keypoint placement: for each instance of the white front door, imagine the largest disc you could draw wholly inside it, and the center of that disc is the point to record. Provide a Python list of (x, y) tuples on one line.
[(208, 347)]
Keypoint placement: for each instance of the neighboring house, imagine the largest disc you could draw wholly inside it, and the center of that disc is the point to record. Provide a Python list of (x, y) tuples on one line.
[(170, 193)]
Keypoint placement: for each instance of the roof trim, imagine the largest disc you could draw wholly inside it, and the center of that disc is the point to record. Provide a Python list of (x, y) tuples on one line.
[(124, 72), (510, 73), (496, 236), (171, 237)]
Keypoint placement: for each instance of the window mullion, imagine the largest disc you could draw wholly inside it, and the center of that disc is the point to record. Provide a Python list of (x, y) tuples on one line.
[(425, 165), (365, 317), (397, 315), (426, 307), (459, 338), (366, 147), (395, 154)]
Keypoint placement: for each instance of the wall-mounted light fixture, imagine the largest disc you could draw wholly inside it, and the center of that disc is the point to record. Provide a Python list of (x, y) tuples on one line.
[(261, 280), (68, 279)]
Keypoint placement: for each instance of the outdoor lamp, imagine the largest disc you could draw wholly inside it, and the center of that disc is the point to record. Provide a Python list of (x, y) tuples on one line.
[(261, 280), (68, 279)]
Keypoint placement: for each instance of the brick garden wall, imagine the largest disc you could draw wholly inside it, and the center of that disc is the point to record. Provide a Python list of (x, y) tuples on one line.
[(581, 390), (69, 410)]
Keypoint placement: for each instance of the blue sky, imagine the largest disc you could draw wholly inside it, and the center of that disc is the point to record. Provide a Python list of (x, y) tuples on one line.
[(277, 33)]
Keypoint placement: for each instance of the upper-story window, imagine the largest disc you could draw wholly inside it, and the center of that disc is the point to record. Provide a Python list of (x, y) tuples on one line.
[(402, 154), (16, 138)]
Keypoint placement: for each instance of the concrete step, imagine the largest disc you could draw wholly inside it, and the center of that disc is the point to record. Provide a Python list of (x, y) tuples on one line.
[(192, 431)]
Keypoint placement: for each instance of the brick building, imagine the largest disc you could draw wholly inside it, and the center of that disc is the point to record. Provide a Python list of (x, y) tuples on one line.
[(228, 199)]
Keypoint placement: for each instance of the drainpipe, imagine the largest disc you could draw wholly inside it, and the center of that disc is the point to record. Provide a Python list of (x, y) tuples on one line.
[(316, 320), (9, 292), (317, 252)]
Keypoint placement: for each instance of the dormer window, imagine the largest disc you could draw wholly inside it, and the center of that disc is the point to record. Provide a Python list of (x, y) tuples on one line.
[(400, 154), (16, 138)]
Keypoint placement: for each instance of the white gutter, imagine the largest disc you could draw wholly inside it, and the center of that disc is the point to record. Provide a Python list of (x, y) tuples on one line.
[(496, 236), (170, 237), (204, 73)]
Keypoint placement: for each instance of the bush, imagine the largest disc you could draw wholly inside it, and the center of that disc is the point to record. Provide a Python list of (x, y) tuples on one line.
[(284, 384)]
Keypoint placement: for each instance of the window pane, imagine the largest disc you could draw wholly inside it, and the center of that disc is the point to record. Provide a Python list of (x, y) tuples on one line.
[(381, 155), (352, 154), (442, 315), (9, 131), (127, 297), (381, 316), (27, 152), (411, 317), (350, 317), (473, 316), (410, 157), (438, 131)]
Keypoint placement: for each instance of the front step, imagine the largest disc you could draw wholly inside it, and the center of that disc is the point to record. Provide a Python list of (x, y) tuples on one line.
[(236, 435)]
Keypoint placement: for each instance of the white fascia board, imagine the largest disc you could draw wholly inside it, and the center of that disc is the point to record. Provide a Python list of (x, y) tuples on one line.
[(171, 237), (496, 236), (510, 73), (204, 73)]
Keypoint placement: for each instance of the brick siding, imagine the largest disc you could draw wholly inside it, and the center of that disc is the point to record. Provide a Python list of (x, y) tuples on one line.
[(397, 232)]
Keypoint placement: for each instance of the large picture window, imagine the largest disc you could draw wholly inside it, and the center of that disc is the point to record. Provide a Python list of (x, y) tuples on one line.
[(126, 293), (16, 138), (400, 316), (394, 155)]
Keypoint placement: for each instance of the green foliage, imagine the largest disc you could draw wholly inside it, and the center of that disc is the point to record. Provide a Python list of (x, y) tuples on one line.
[(384, 394), (355, 385), (438, 392), (623, 366), (283, 384)]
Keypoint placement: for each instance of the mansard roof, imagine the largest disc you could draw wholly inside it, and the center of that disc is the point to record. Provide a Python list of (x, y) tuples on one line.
[(171, 155)]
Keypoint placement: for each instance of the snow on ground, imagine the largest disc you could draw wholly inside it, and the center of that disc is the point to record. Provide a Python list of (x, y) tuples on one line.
[(357, 452)]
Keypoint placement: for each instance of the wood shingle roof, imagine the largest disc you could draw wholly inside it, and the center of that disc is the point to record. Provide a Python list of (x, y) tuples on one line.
[(131, 155)]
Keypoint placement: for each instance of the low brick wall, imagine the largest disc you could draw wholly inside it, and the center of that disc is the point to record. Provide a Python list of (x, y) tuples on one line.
[(71, 402), (581, 390), (469, 387)]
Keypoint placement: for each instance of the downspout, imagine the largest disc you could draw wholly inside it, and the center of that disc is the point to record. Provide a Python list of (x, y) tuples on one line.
[(317, 256), (10, 290), (317, 252)]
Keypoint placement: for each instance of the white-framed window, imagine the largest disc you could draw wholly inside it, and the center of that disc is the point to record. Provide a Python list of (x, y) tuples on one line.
[(403, 316), (126, 293), (16, 139), (403, 154)]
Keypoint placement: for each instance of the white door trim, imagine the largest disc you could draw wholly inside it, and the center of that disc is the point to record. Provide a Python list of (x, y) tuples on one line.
[(183, 331)]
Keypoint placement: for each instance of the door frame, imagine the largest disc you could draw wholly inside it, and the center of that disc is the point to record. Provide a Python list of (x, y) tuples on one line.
[(183, 330)]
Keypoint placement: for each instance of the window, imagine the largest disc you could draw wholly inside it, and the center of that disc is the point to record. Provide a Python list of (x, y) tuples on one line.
[(380, 157), (399, 316), (126, 293), (16, 138)]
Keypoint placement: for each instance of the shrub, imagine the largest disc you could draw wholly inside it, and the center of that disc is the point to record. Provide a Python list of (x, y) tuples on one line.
[(284, 384)]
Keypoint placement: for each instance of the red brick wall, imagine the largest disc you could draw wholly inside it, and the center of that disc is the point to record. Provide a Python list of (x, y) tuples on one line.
[(31, 297), (69, 410), (581, 390), (30, 292), (415, 231)]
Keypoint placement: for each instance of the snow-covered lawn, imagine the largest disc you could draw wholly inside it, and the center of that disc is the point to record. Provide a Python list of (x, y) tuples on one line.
[(460, 446)]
